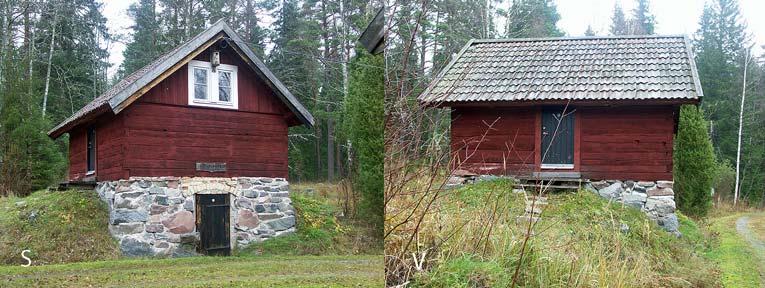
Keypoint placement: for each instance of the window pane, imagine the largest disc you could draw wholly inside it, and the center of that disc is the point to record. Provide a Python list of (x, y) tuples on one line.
[(224, 93), (224, 86), (200, 91), (200, 76), (224, 79)]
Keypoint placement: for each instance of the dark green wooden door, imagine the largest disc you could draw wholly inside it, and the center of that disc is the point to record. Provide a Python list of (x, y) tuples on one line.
[(557, 137)]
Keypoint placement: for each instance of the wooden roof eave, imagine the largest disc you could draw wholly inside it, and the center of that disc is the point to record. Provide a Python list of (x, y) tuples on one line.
[(604, 102), (373, 36), (101, 110)]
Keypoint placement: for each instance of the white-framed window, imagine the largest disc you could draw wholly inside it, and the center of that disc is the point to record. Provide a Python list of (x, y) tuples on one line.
[(210, 88)]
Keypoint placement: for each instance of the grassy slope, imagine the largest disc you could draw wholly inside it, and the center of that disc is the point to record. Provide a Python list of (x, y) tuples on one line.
[(733, 254), (578, 243), (272, 271), (69, 226), (72, 227), (319, 230)]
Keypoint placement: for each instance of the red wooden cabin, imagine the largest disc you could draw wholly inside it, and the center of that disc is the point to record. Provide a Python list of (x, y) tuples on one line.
[(209, 107), (586, 108)]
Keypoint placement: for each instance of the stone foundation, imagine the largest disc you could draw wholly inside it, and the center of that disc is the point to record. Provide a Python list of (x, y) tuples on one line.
[(154, 216), (655, 198)]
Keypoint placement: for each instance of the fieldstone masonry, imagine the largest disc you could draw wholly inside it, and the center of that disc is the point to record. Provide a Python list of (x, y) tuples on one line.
[(154, 216), (655, 198)]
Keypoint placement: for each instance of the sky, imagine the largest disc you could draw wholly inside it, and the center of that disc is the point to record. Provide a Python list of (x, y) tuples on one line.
[(672, 17)]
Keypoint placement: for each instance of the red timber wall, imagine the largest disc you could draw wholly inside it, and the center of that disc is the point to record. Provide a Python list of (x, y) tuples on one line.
[(494, 140), (109, 149), (161, 135), (612, 143)]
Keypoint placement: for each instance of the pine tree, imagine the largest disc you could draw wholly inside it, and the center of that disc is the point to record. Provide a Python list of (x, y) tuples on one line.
[(619, 22), (29, 160), (145, 45), (642, 22), (533, 18), (293, 60), (694, 163), (589, 31), (250, 29), (720, 44)]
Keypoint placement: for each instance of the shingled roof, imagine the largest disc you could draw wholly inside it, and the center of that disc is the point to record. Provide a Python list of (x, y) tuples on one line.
[(118, 96), (573, 68)]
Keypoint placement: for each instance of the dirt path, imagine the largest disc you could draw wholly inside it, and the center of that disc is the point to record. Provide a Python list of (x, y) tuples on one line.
[(758, 246), (742, 227)]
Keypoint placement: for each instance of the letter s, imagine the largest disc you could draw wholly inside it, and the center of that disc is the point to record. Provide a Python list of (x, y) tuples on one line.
[(29, 261)]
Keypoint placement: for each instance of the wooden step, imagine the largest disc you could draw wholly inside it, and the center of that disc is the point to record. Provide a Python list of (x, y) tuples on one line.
[(537, 198), (535, 203), (573, 187), (534, 210), (526, 219)]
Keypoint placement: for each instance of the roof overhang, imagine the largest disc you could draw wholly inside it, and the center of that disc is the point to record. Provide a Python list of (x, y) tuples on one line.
[(610, 102), (424, 101), (179, 57), (373, 36)]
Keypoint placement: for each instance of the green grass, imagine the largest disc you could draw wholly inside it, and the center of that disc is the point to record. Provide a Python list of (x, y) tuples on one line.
[(71, 227), (319, 230), (578, 242), (271, 271), (68, 226), (733, 254)]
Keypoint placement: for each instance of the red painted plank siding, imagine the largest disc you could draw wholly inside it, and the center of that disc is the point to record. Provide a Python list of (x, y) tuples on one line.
[(109, 147), (498, 141), (110, 136), (622, 142), (77, 154), (627, 142), (161, 135), (167, 140)]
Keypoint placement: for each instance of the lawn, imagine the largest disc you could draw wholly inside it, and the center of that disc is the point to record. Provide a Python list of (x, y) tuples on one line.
[(271, 271), (734, 255), (71, 247)]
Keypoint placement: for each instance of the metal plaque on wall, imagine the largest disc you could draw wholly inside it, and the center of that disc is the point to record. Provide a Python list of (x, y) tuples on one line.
[(211, 167)]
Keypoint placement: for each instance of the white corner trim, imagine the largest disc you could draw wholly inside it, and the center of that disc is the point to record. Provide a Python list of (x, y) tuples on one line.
[(212, 86)]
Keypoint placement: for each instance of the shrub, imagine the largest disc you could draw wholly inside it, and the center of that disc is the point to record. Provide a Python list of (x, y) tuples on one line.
[(724, 180), (694, 163), (364, 127)]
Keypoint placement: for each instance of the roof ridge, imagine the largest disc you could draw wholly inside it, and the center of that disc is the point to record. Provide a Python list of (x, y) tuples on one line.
[(502, 40)]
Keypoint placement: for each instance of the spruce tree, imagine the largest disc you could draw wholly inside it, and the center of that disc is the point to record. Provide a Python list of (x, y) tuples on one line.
[(589, 31), (533, 18), (294, 60), (694, 163), (642, 21), (720, 46), (618, 22), (145, 45)]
